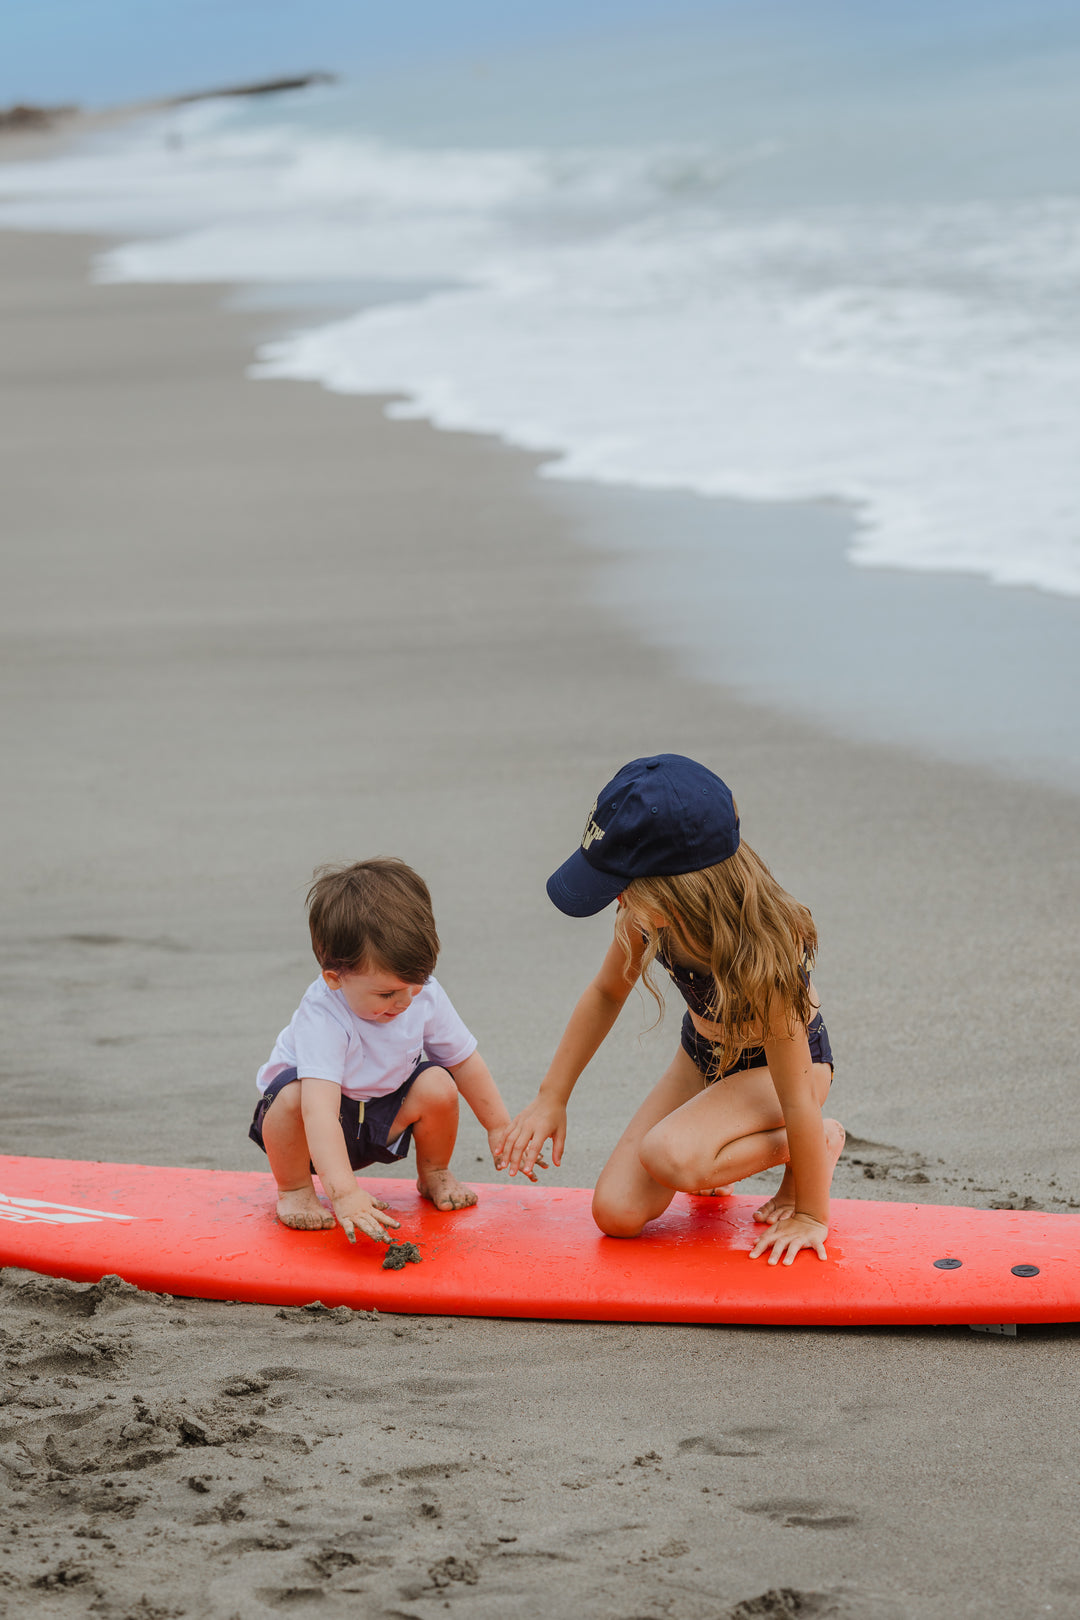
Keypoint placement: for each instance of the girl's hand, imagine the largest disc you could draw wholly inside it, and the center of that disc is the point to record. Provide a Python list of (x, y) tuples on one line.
[(358, 1209), (496, 1138), (525, 1136), (790, 1233)]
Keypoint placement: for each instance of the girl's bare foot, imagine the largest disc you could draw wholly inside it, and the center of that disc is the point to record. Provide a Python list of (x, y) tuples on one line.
[(299, 1208), (714, 1192), (444, 1189), (782, 1203)]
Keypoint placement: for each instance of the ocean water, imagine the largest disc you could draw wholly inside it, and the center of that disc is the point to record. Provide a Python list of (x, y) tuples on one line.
[(771, 252)]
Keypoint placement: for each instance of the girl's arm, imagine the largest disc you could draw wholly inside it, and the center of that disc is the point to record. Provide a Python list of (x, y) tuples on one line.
[(792, 1071), (590, 1022)]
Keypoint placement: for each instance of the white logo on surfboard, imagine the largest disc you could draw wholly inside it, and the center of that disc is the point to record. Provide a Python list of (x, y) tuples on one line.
[(39, 1209)]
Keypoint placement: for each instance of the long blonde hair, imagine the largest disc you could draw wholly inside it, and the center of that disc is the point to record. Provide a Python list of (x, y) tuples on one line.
[(735, 922)]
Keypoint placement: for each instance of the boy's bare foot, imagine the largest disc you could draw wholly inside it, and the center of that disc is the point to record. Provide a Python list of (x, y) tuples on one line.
[(444, 1189), (713, 1192), (299, 1208), (782, 1203)]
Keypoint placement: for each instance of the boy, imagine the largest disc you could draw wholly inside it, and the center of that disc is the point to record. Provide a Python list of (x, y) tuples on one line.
[(375, 1055)]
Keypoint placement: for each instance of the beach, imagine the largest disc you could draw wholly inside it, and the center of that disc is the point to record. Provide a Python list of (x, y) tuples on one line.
[(250, 627)]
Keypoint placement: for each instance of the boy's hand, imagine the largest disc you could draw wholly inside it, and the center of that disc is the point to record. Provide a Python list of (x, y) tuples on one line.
[(790, 1233), (525, 1136), (495, 1143), (358, 1209)]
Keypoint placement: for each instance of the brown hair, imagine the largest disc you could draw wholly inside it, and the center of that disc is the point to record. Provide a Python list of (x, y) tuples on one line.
[(734, 921), (373, 914)]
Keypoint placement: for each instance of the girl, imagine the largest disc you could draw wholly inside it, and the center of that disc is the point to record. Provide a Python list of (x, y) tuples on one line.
[(745, 1089)]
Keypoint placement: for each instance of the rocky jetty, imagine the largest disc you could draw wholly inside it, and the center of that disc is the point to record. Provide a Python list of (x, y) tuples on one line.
[(26, 115), (30, 118)]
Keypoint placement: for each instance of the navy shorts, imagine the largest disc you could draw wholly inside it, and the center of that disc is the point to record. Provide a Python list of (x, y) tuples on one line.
[(706, 1056), (366, 1138)]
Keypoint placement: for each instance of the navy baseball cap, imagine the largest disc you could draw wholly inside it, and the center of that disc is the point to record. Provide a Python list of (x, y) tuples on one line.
[(657, 817)]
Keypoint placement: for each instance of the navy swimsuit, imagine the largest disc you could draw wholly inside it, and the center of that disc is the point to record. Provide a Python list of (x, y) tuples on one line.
[(695, 989)]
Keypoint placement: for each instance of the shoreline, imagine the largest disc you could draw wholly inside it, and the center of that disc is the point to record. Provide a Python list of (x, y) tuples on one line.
[(949, 665), (919, 632), (252, 628)]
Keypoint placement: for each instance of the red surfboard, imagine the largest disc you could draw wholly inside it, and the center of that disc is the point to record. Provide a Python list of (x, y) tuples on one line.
[(534, 1252)]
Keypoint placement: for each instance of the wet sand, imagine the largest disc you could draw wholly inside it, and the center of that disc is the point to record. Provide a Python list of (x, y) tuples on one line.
[(949, 664), (252, 627)]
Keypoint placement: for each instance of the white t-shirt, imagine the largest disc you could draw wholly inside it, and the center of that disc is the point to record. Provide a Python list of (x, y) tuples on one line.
[(326, 1041)]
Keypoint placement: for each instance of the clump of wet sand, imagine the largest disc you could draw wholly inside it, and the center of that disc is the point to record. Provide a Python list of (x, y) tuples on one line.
[(400, 1255)]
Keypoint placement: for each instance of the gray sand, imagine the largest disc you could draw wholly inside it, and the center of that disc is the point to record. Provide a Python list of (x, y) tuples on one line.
[(249, 627)]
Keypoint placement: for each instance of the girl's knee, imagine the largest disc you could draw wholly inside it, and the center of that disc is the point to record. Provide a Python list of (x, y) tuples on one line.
[(661, 1157), (615, 1218)]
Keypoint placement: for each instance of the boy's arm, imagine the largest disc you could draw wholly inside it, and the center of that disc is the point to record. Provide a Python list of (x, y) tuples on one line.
[(474, 1080), (791, 1068), (320, 1101), (590, 1022)]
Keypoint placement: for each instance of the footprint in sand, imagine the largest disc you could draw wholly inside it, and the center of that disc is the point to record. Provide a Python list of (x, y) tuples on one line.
[(796, 1513)]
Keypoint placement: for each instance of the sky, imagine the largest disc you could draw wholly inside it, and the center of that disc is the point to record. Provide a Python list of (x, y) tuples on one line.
[(99, 52)]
